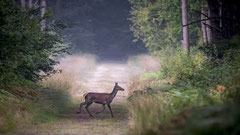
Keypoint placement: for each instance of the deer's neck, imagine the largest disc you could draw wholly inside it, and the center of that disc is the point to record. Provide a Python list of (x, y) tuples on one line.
[(114, 93)]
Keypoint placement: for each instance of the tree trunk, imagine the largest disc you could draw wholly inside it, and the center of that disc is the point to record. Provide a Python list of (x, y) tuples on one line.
[(208, 24), (23, 4), (43, 11), (214, 13), (30, 2), (220, 13), (204, 27), (185, 29)]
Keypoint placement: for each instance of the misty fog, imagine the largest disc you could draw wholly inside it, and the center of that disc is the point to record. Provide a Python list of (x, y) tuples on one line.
[(99, 27)]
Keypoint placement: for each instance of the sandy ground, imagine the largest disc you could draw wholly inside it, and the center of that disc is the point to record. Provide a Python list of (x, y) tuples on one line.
[(100, 79)]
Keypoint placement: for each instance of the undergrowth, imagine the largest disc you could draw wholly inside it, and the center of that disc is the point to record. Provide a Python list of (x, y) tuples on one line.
[(13, 112), (48, 104), (189, 94)]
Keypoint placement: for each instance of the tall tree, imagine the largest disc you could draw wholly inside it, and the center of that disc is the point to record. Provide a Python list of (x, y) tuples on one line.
[(220, 13), (25, 58), (43, 11), (213, 9), (23, 4), (184, 23), (208, 24), (30, 3), (156, 23), (204, 28)]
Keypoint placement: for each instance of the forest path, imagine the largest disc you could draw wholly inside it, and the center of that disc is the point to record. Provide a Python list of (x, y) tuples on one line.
[(100, 79)]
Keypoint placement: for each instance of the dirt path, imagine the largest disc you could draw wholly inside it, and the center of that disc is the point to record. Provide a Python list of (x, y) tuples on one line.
[(101, 79)]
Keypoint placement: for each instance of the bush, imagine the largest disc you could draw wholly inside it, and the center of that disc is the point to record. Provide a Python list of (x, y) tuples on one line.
[(152, 113), (177, 64), (195, 96), (25, 49), (26, 55), (224, 71)]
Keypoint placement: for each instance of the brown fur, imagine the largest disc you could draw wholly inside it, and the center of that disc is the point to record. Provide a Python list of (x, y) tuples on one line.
[(100, 98)]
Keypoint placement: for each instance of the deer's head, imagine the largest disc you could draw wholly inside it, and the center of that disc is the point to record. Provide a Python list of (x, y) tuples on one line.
[(117, 87)]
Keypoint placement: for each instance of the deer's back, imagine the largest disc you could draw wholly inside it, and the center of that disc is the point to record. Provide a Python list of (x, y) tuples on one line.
[(99, 97)]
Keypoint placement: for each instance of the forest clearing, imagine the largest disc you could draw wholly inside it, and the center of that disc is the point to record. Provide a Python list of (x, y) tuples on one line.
[(99, 79)]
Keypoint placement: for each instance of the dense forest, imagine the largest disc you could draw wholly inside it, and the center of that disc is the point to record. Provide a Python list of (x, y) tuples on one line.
[(193, 90), (197, 42)]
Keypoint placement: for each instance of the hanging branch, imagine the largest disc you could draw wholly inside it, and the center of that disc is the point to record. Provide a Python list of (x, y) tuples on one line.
[(200, 13), (213, 27), (214, 18)]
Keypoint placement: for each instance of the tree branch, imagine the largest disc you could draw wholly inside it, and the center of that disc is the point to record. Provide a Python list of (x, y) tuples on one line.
[(201, 21), (219, 30), (200, 13)]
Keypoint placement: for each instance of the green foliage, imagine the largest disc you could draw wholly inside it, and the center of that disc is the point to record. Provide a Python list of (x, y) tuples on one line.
[(193, 76), (153, 113), (224, 71), (222, 48), (180, 66), (158, 23), (25, 49), (147, 112), (13, 112), (198, 71), (151, 76), (26, 55), (16, 113)]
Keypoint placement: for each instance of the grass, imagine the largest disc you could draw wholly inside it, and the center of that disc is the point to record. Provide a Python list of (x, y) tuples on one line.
[(52, 101), (55, 97), (148, 112), (13, 112), (82, 124), (50, 104), (17, 113), (155, 104), (54, 111), (59, 81)]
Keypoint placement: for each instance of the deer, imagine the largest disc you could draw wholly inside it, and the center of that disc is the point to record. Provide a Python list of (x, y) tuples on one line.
[(100, 98)]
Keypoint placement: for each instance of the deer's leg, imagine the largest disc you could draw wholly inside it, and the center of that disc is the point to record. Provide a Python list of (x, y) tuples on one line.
[(88, 104), (81, 105), (110, 109), (102, 109)]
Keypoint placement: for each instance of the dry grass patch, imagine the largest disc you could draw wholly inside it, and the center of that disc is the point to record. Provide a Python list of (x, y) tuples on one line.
[(62, 81), (14, 114), (147, 112), (72, 70)]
